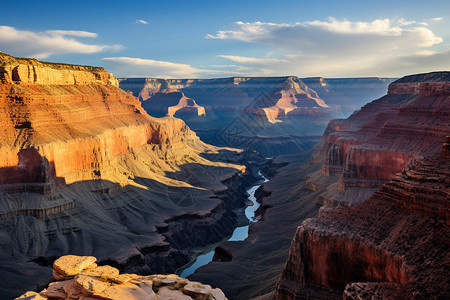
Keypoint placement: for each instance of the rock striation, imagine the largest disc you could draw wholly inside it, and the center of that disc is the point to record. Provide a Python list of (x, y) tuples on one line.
[(79, 277), (392, 246), (371, 146), (85, 170)]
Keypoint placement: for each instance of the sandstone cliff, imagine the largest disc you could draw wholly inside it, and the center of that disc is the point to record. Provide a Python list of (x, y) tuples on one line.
[(392, 246), (79, 277), (375, 143), (85, 170), (377, 249)]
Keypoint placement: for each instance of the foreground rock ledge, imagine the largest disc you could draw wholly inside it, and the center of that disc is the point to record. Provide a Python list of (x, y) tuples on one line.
[(79, 277)]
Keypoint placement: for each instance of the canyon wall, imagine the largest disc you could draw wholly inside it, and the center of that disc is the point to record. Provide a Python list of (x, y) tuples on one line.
[(85, 170), (392, 245), (365, 150)]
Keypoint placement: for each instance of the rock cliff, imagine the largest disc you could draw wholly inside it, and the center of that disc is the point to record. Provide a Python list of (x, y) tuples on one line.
[(392, 246), (371, 146), (85, 170), (377, 249), (79, 277)]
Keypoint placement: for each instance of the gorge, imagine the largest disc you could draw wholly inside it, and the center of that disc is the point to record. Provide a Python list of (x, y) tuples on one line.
[(90, 171)]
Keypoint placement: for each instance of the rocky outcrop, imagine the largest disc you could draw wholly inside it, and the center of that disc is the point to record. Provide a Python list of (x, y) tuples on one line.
[(79, 277), (393, 245), (85, 170), (14, 70), (186, 106), (372, 145)]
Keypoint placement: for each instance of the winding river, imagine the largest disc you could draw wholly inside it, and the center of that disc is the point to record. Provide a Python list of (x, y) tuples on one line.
[(239, 234)]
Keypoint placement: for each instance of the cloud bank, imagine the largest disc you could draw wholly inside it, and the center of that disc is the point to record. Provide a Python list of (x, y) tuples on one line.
[(337, 47), (42, 45)]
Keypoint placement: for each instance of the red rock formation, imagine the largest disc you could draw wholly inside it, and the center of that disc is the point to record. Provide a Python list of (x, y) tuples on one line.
[(85, 170), (399, 236), (186, 106), (393, 244), (374, 144)]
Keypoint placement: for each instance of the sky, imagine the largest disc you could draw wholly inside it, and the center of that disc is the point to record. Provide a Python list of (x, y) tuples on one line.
[(206, 39)]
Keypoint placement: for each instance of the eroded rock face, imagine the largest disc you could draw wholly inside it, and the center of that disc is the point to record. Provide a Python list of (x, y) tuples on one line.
[(89, 281), (374, 144), (392, 246), (33, 71), (85, 170)]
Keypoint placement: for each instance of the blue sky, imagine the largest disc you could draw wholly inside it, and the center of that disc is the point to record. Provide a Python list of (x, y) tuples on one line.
[(190, 39)]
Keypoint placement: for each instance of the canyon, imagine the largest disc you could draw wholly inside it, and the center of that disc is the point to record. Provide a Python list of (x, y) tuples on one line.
[(86, 171), (352, 242), (150, 175)]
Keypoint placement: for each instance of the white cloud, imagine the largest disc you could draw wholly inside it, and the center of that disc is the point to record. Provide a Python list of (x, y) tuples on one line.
[(76, 33), (139, 67), (330, 48), (44, 44), (436, 19), (139, 21), (403, 22)]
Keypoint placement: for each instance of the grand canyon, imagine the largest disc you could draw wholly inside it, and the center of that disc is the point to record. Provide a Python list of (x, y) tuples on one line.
[(287, 160)]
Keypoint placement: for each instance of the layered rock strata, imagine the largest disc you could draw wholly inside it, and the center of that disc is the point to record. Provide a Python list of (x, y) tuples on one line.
[(371, 146), (79, 277), (240, 111), (392, 246), (85, 170)]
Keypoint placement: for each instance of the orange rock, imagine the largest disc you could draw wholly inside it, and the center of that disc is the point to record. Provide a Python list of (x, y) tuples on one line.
[(71, 265)]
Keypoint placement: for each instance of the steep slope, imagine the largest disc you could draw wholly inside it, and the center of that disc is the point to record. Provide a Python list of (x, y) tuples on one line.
[(392, 246), (373, 144), (85, 170), (356, 157), (273, 115)]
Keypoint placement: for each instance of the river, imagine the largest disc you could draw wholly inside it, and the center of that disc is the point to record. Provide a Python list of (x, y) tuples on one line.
[(239, 234)]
